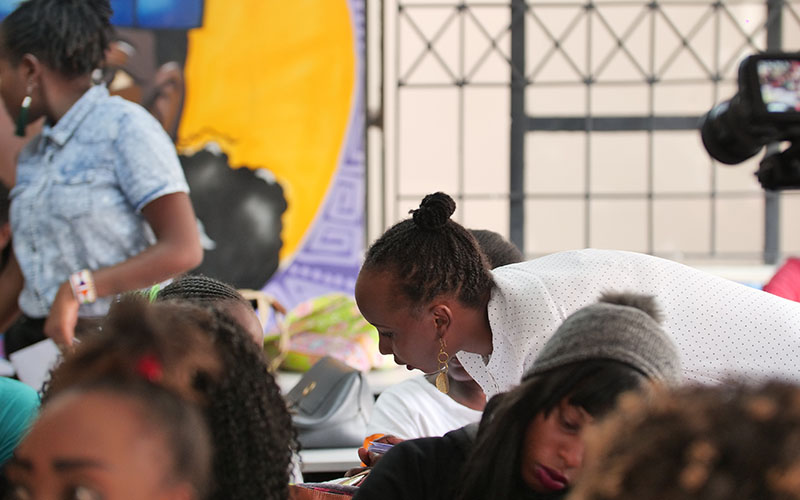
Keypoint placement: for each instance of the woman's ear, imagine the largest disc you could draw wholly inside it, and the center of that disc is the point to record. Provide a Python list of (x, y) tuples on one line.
[(31, 68), (442, 318)]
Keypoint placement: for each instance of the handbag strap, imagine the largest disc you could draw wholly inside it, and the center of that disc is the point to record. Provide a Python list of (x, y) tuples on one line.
[(265, 303)]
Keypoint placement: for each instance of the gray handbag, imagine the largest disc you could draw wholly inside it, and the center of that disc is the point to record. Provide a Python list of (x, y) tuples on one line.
[(331, 405)]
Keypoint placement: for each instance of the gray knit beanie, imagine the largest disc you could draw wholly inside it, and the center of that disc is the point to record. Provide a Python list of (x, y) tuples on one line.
[(624, 327)]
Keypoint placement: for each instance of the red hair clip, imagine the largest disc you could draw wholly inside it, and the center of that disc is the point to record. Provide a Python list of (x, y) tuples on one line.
[(150, 368)]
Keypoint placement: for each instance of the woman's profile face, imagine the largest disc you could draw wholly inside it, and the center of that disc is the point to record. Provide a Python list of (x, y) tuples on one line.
[(552, 453), (12, 88), (92, 446), (408, 334)]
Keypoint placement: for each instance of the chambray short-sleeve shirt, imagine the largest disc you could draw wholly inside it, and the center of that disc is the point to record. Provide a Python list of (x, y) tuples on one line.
[(79, 192), (722, 329)]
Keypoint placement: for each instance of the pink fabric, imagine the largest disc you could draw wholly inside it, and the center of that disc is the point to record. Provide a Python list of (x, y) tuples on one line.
[(786, 282)]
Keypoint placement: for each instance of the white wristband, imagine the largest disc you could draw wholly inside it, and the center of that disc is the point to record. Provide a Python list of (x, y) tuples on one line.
[(82, 284)]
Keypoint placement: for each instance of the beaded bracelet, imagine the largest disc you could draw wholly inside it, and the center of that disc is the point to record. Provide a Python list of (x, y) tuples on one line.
[(82, 284)]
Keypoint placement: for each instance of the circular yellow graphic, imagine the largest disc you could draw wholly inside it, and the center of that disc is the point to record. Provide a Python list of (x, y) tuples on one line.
[(272, 82)]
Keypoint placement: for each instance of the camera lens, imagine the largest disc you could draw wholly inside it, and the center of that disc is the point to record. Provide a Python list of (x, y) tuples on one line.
[(725, 135)]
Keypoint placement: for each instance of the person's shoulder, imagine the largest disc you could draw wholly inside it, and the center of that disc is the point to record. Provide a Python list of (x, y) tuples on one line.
[(112, 117), (124, 111), (410, 384), (454, 443), (17, 394), (427, 447), (462, 438)]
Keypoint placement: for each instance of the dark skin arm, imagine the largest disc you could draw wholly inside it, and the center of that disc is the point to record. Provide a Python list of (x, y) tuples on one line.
[(177, 250), (11, 282)]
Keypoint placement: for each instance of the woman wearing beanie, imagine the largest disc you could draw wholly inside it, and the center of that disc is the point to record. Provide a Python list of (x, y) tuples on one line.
[(529, 442), (425, 287)]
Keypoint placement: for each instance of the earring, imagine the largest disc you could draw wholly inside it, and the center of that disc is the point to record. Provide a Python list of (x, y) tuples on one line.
[(22, 119), (442, 381)]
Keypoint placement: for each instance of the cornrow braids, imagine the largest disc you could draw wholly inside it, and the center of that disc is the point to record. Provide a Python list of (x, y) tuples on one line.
[(199, 288), (431, 255), (69, 36), (209, 292)]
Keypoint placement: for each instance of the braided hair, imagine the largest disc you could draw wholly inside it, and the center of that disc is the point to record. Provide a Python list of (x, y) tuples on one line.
[(430, 254), (209, 292), (199, 288), (251, 430), (69, 36)]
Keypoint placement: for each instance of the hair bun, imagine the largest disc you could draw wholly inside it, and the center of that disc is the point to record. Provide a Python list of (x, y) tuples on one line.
[(434, 211)]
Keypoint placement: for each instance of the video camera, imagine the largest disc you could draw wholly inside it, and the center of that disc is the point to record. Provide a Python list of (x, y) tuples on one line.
[(765, 110)]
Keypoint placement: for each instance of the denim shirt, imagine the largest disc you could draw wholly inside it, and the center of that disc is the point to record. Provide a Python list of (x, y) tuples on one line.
[(80, 189)]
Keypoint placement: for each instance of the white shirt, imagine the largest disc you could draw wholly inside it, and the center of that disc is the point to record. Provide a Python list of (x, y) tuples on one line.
[(414, 408), (723, 329)]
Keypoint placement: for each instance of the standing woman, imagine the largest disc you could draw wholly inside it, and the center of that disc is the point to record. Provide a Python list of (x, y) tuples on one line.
[(100, 204), (425, 287)]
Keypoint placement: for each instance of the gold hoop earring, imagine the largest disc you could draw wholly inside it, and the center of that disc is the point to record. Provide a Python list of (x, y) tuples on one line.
[(442, 380)]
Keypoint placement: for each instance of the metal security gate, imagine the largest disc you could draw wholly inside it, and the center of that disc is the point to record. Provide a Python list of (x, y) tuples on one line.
[(587, 51)]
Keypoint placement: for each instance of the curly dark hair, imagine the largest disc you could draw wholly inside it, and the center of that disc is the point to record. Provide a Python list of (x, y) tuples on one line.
[(251, 429), (69, 36), (701, 442), (430, 254)]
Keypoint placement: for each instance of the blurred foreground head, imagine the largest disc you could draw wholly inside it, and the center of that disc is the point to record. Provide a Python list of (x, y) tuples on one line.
[(201, 353), (709, 443), (114, 439)]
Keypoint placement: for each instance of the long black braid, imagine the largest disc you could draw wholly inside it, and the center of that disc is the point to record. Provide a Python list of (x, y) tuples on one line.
[(431, 254), (251, 427), (69, 36)]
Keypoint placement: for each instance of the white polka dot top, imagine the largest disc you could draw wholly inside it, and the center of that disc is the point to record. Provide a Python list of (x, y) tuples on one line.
[(723, 329)]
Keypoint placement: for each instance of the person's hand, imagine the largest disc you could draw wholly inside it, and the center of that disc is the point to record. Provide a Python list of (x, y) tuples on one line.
[(371, 458), (60, 324)]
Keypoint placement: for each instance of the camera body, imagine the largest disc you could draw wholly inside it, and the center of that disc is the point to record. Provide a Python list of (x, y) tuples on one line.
[(765, 110)]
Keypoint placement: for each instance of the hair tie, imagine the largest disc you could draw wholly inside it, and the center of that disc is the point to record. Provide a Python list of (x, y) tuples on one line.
[(150, 368)]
